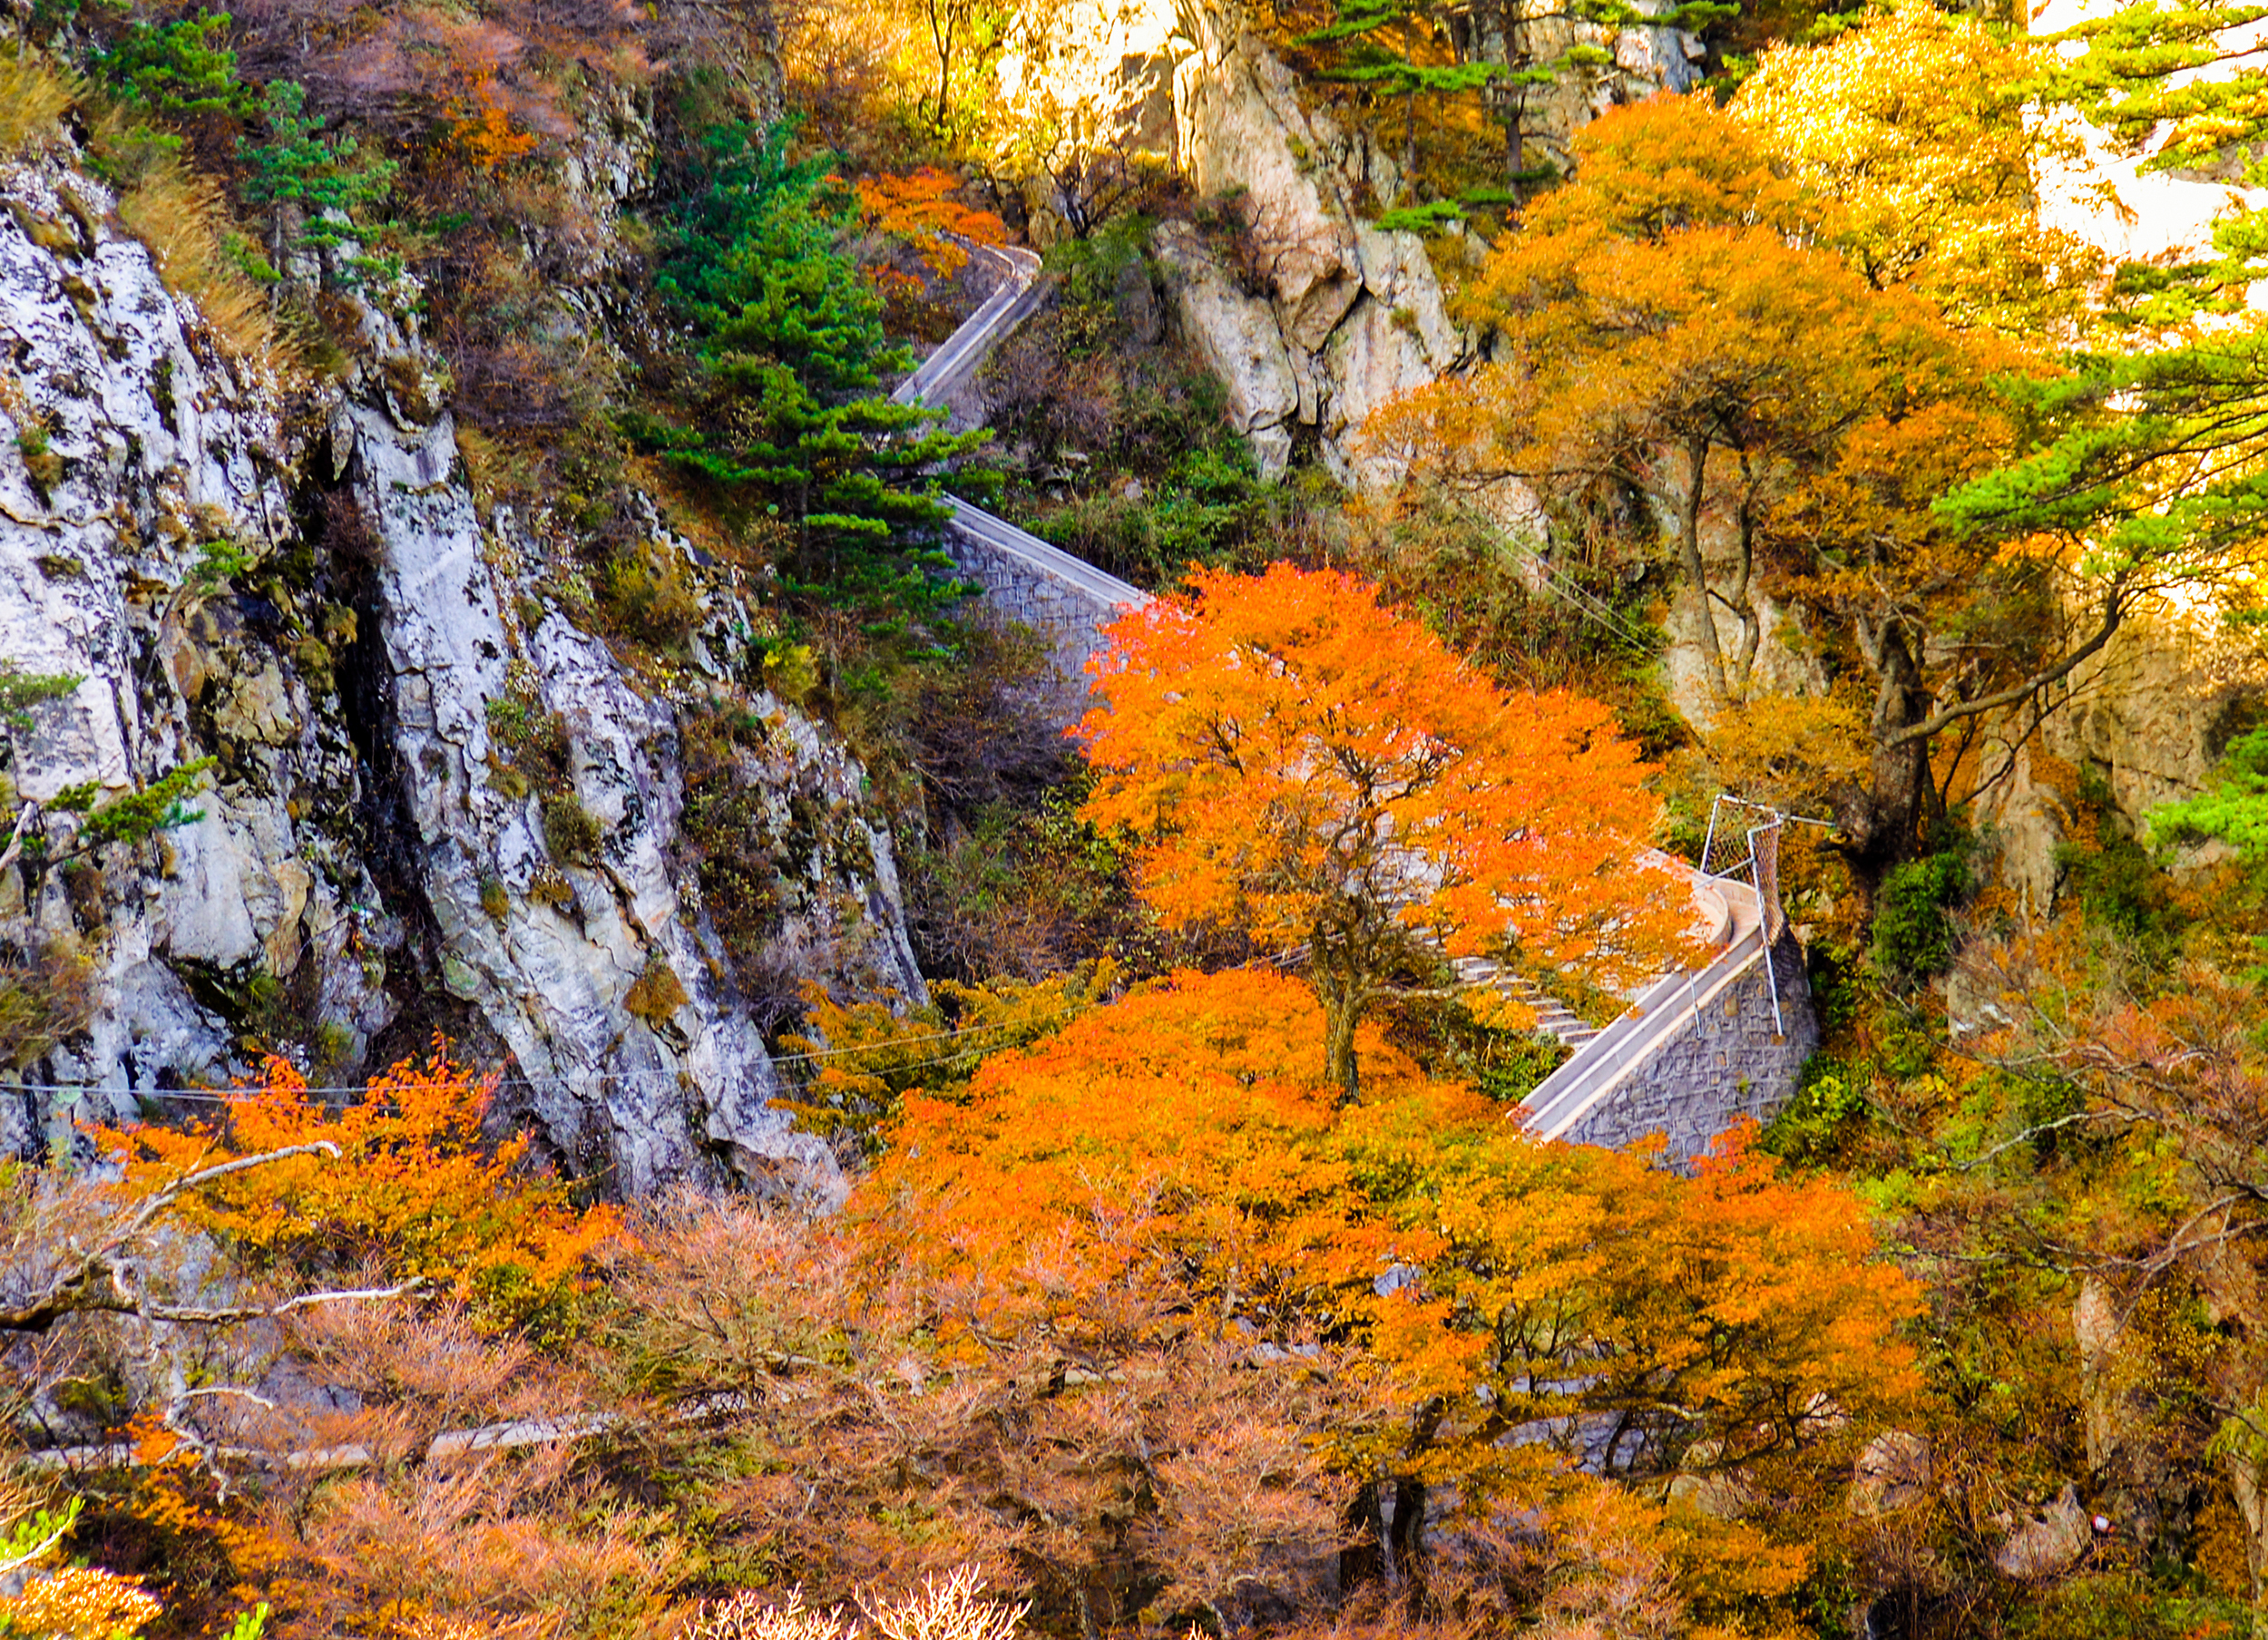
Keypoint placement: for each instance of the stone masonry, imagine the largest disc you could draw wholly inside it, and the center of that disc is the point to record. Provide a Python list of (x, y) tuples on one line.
[(1070, 617), (1726, 1063)]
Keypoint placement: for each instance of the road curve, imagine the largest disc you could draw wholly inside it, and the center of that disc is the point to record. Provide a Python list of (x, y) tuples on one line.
[(957, 359), (952, 364), (1602, 1060)]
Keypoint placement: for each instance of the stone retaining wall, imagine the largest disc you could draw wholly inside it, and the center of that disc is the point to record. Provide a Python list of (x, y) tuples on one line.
[(1070, 618), (1729, 1061)]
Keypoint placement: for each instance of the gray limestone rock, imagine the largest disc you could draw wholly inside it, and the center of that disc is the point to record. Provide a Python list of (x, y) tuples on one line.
[(353, 851)]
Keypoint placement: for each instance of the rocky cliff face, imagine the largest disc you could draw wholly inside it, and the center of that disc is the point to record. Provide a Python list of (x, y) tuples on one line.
[(1311, 317), (297, 582), (2148, 720)]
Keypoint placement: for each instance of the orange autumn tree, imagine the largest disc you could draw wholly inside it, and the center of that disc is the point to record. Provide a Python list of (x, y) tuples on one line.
[(1564, 1310), (919, 209), (414, 1187), (1175, 1167), (1173, 1138), (1297, 760)]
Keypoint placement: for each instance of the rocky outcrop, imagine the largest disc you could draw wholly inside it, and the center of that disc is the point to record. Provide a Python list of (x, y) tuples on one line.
[(2147, 720), (2049, 1543), (298, 582), (1310, 316), (156, 462)]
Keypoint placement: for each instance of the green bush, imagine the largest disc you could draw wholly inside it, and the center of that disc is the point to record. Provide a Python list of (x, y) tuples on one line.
[(1913, 932), (175, 69), (2235, 809), (1814, 1123), (647, 597)]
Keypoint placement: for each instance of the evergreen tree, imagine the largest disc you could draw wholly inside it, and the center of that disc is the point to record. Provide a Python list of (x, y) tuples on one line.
[(1373, 30), (793, 352), (1524, 31), (2153, 454), (176, 68), (325, 179)]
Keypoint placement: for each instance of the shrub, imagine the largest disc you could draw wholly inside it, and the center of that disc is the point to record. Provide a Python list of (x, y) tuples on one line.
[(525, 728), (657, 994), (42, 464), (647, 597), (413, 1186), (1811, 1126), (549, 888), (791, 671), (45, 996), (1913, 934)]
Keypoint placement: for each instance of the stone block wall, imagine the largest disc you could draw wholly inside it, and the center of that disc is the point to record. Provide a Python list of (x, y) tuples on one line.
[(1068, 606), (1727, 1061), (1070, 617)]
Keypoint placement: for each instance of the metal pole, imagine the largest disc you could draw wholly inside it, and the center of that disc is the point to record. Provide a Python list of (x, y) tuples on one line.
[(1764, 919)]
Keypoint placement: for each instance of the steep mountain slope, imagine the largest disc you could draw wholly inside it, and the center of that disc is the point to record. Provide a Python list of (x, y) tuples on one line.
[(436, 802)]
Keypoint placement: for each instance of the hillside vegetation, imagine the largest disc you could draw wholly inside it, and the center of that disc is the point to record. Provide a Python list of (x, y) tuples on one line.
[(1194, 1273)]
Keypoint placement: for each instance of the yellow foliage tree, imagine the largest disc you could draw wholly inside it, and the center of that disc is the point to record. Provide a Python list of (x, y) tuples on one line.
[(861, 1059), (1913, 123)]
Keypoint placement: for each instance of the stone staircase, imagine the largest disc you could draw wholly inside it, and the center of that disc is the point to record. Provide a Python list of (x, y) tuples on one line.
[(1553, 1018)]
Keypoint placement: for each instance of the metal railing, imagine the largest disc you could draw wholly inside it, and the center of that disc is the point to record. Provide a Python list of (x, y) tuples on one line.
[(1759, 870)]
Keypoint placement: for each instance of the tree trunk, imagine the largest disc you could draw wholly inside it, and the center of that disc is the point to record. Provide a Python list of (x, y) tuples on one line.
[(1408, 188), (1743, 605), (769, 83), (1406, 1538), (1892, 820), (1689, 548), (2248, 1483), (1364, 1560), (1341, 1013), (942, 22), (1515, 97)]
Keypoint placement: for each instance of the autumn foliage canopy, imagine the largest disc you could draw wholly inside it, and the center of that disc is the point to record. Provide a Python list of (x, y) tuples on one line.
[(416, 1190), (1325, 773)]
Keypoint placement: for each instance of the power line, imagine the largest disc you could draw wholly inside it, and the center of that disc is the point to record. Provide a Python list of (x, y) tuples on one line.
[(617, 1077), (1597, 608)]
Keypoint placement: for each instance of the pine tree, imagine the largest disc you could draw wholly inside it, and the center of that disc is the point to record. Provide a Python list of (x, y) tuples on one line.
[(795, 352), (1371, 31)]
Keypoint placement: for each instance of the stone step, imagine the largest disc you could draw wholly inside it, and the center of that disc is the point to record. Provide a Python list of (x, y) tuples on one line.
[(1553, 1018)]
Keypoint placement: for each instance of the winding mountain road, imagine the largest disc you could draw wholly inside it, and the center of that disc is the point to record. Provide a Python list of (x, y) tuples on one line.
[(1602, 1061), (951, 366)]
